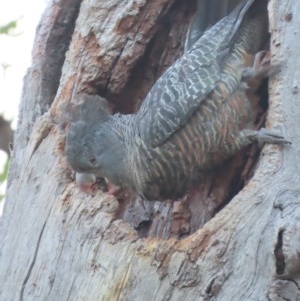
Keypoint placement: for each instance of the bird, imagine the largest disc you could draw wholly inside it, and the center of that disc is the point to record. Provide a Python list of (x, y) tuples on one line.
[(195, 116)]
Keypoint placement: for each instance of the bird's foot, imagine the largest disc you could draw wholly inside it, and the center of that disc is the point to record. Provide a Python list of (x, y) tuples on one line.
[(261, 68), (111, 188), (266, 136)]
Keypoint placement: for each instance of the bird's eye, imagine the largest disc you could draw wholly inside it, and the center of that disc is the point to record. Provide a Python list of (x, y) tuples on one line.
[(92, 159)]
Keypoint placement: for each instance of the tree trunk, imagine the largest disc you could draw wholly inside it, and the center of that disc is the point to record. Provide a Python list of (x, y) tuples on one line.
[(58, 243)]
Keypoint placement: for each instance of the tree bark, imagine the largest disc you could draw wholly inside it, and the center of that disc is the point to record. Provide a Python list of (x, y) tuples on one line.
[(58, 243)]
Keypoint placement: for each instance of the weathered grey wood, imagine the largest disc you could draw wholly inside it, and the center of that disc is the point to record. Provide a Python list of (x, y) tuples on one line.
[(58, 243)]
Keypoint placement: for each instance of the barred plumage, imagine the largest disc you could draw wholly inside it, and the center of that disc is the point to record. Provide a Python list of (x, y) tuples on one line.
[(195, 116)]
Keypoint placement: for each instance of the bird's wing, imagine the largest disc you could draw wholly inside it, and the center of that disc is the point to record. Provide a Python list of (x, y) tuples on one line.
[(179, 92)]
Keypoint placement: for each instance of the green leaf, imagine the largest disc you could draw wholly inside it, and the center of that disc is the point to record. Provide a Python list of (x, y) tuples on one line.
[(4, 29)]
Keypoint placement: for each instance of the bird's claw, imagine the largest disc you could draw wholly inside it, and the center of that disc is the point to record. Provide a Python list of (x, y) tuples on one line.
[(269, 136), (262, 66), (111, 188)]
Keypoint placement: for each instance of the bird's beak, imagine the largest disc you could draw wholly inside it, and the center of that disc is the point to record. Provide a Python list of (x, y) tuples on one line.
[(86, 182)]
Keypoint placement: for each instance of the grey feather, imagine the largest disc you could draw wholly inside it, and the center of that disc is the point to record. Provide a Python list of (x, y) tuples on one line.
[(185, 85)]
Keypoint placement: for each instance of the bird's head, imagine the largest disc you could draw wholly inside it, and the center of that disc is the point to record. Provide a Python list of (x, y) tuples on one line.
[(92, 145)]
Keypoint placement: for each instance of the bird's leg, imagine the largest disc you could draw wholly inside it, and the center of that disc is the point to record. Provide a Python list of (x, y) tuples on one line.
[(262, 59), (261, 136)]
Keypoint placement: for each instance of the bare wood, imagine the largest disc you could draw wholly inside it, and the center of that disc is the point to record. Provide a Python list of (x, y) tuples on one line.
[(59, 244)]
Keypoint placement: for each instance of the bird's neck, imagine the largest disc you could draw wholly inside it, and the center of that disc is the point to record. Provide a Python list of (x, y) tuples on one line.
[(120, 170)]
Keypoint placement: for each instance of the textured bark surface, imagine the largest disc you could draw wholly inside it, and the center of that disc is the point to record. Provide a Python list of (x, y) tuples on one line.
[(58, 243)]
